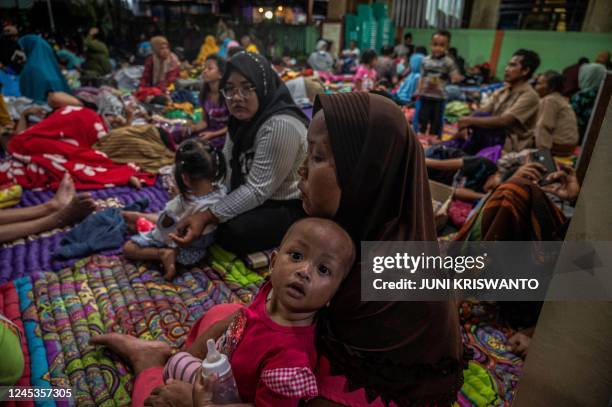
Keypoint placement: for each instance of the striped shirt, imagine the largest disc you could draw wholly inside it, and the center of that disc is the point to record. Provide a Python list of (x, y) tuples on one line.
[(280, 148), (435, 73)]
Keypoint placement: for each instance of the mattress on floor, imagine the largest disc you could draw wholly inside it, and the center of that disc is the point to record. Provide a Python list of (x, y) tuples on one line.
[(35, 253), (60, 311)]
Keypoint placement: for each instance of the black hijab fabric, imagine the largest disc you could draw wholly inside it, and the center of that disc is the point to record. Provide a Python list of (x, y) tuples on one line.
[(274, 99), (406, 352), (380, 169)]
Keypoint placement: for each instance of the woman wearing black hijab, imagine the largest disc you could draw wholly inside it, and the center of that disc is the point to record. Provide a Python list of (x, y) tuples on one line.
[(365, 169), (266, 145)]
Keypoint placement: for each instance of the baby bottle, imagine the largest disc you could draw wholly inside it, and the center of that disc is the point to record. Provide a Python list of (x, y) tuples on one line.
[(224, 389)]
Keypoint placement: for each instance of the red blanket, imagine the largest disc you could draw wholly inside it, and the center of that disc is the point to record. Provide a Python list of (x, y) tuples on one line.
[(62, 142)]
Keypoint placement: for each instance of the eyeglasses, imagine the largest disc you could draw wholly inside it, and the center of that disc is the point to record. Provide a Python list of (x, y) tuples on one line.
[(244, 93)]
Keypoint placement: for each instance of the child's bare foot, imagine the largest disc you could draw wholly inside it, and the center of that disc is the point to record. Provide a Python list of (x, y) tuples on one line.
[(64, 195), (135, 182), (139, 353), (168, 259), (79, 207)]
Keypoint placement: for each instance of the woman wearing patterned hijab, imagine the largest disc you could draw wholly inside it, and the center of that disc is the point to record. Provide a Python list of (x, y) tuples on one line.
[(161, 69)]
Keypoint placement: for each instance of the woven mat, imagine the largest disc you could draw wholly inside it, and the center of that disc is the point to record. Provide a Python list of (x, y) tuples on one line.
[(61, 311)]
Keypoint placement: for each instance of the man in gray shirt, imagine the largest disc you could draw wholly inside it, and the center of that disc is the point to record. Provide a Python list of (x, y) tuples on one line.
[(437, 69), (321, 60)]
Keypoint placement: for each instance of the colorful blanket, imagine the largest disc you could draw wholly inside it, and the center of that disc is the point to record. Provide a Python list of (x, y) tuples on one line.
[(220, 274), (229, 266), (488, 340), (24, 256), (42, 154), (61, 311)]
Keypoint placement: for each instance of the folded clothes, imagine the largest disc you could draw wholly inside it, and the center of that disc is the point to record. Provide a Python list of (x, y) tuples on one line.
[(231, 268), (143, 93), (183, 97), (129, 77), (17, 104), (188, 84), (109, 103), (478, 388), (455, 110), (183, 111)]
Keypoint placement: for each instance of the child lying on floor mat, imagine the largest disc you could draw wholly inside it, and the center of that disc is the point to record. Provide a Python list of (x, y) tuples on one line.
[(198, 167), (271, 344)]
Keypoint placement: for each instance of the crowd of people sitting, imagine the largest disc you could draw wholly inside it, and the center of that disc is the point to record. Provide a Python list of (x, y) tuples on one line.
[(254, 146)]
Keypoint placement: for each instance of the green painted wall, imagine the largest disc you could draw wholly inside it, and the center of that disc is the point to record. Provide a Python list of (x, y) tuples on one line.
[(473, 45), (556, 49)]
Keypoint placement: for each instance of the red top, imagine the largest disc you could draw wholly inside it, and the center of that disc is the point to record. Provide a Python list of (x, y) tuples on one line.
[(146, 81), (273, 364)]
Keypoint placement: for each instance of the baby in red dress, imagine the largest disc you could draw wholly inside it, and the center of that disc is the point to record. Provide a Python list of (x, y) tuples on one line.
[(271, 343)]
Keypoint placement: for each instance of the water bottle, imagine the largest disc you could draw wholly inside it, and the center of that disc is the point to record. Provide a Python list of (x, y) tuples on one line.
[(224, 389), (166, 224)]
